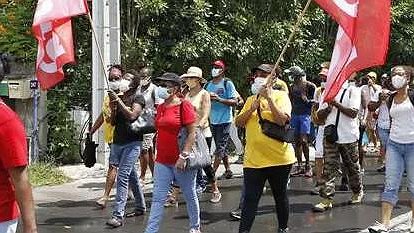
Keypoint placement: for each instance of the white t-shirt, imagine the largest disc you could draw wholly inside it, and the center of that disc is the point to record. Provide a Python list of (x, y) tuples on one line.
[(348, 128), (402, 123)]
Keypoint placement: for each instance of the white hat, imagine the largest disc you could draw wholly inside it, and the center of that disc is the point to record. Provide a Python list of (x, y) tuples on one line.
[(194, 72)]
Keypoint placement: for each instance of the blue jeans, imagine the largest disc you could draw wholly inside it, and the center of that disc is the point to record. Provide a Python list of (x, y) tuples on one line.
[(383, 135), (163, 176), (127, 155), (399, 157)]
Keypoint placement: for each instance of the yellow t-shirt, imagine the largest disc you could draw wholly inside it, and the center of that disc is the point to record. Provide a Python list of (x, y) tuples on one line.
[(281, 85), (262, 151), (108, 129)]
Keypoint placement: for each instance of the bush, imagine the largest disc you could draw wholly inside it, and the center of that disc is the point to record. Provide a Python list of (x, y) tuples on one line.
[(42, 174)]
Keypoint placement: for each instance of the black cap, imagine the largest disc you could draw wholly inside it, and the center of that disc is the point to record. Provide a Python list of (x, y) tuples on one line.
[(296, 71), (264, 67), (171, 77)]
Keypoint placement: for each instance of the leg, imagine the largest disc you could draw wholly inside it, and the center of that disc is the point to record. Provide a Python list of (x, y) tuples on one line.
[(143, 161), (110, 176), (129, 153), (254, 180), (186, 180), (278, 179), (236, 140), (393, 175), (151, 160), (163, 176), (331, 169), (110, 180), (222, 136), (349, 155), (137, 191), (360, 146)]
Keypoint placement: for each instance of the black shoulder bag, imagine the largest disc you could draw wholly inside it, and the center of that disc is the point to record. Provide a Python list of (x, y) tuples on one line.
[(331, 131), (281, 133)]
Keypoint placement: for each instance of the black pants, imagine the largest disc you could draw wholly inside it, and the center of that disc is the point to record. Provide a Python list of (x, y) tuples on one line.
[(254, 181)]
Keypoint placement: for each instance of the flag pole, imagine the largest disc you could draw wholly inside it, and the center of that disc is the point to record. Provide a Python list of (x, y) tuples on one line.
[(98, 47), (292, 34)]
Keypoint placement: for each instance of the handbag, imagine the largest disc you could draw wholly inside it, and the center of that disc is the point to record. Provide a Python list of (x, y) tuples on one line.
[(331, 131), (281, 133), (145, 123), (199, 156)]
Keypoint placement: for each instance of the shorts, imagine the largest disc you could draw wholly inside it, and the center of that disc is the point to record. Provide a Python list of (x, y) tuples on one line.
[(301, 124), (221, 135), (148, 141), (8, 226), (383, 135)]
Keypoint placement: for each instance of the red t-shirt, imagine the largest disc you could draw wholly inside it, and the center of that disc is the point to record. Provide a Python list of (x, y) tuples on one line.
[(13, 153), (168, 123)]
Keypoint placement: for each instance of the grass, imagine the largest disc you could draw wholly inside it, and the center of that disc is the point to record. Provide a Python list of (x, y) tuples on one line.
[(42, 174)]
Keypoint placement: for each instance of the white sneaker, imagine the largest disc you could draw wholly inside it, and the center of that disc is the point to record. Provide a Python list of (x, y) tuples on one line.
[(377, 228), (195, 231)]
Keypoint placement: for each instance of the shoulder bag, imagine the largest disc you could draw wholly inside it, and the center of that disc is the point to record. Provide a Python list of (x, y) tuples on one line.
[(331, 131)]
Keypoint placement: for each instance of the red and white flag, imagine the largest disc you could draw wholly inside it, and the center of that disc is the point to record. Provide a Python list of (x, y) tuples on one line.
[(362, 38), (52, 27)]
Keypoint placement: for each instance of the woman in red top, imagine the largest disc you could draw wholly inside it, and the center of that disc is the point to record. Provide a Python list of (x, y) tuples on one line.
[(170, 164)]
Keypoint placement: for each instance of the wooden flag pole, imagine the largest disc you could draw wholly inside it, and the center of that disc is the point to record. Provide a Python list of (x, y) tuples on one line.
[(98, 48), (292, 34)]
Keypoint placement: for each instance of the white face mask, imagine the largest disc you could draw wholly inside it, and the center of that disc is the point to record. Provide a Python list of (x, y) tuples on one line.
[(163, 93), (215, 72), (258, 85), (398, 81), (113, 85), (323, 84), (124, 85)]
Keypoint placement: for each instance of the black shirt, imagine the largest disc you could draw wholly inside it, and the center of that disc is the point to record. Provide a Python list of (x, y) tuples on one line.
[(123, 133), (299, 106)]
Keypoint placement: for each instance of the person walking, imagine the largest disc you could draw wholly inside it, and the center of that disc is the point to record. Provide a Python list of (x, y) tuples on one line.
[(266, 159), (223, 99), (170, 164), (16, 198), (200, 99), (126, 148), (400, 148), (341, 143)]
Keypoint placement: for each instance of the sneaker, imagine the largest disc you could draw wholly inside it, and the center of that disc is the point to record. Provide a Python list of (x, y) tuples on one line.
[(102, 202), (171, 202), (236, 214), (286, 230), (323, 206), (357, 197), (226, 175), (195, 231), (135, 213), (315, 191), (308, 172), (298, 171), (200, 189), (377, 228), (215, 197), (114, 222)]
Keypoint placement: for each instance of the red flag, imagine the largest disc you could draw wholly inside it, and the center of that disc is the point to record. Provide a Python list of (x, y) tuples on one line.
[(362, 38), (52, 28)]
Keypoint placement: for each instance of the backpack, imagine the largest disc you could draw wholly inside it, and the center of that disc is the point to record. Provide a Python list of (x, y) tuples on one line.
[(391, 98)]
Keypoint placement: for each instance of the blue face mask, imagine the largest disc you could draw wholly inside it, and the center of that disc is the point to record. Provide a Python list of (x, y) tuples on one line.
[(163, 92)]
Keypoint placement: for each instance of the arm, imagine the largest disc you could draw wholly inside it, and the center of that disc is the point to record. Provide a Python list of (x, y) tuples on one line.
[(182, 160), (98, 123), (228, 102), (245, 114), (205, 108), (374, 105), (323, 113), (132, 113), (24, 197), (280, 118), (349, 112)]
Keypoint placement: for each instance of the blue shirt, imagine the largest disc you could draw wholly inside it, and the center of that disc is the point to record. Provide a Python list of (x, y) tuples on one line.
[(221, 113)]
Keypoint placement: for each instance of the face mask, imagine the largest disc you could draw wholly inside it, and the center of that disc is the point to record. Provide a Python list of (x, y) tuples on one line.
[(323, 84), (163, 93), (398, 81), (215, 72), (257, 85), (191, 83), (352, 83), (124, 85), (113, 85)]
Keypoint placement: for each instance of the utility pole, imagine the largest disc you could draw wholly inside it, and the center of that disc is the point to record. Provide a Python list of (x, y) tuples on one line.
[(106, 17)]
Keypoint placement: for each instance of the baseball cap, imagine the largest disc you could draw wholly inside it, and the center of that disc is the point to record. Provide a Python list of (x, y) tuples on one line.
[(219, 63), (372, 74), (295, 71), (264, 67)]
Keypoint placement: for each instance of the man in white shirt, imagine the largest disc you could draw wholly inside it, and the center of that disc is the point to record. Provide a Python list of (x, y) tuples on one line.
[(344, 147)]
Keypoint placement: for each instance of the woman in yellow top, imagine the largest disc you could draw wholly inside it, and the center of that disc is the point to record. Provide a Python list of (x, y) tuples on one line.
[(266, 159)]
